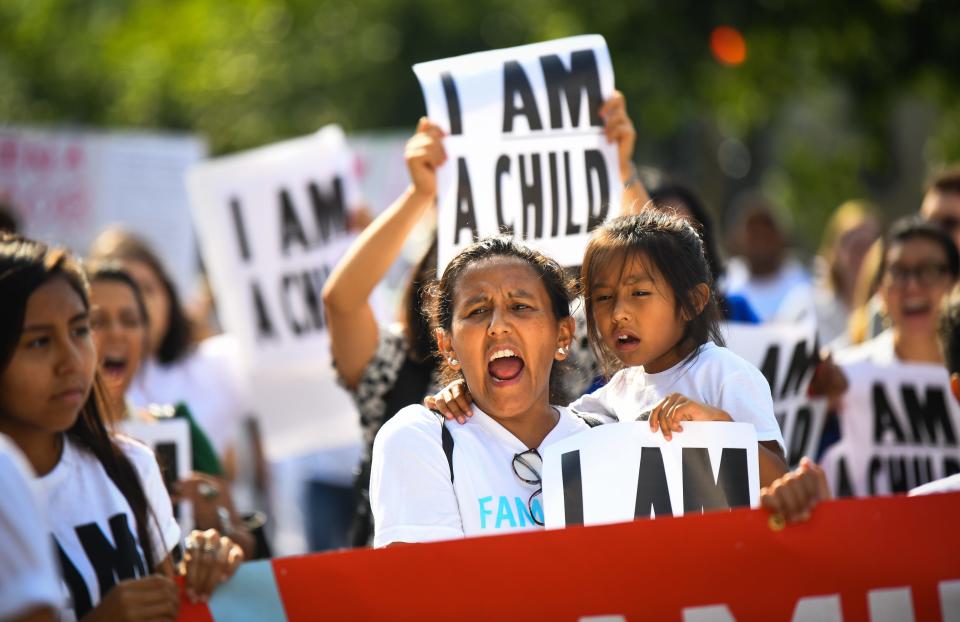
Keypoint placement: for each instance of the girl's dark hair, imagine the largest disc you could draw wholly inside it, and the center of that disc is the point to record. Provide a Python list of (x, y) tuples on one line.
[(560, 290), (912, 228), (671, 247), (120, 245), (25, 266), (419, 335), (668, 194)]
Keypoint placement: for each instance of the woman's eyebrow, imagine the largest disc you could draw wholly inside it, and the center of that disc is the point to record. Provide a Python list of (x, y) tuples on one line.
[(83, 315)]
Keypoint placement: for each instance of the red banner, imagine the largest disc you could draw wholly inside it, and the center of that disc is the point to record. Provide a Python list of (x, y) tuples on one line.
[(873, 559)]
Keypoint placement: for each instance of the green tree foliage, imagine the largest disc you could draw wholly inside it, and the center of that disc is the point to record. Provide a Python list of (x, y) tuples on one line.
[(813, 107)]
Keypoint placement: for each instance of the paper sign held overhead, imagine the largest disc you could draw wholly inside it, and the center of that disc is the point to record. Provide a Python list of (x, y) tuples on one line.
[(525, 145), (272, 223)]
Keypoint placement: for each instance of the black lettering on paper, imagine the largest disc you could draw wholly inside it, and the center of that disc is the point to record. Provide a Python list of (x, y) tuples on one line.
[(112, 563), (700, 492), (554, 195), (240, 229), (572, 227), (503, 168), (264, 323), (453, 103), (515, 82), (596, 165), (531, 196), (291, 230), (329, 209), (466, 218), (800, 435), (929, 418), (652, 491), (572, 488), (582, 76), (884, 418)]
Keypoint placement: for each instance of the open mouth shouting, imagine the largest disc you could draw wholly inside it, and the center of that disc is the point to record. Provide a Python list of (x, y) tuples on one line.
[(114, 367), (504, 364), (625, 340)]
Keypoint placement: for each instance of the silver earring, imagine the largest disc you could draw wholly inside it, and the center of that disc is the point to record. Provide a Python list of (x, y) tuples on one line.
[(562, 351), (454, 362)]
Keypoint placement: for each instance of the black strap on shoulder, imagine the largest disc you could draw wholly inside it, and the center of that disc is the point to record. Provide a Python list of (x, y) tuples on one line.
[(590, 421), (446, 439)]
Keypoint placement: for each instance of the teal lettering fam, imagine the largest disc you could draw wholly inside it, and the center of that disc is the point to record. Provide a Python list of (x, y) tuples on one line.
[(509, 515)]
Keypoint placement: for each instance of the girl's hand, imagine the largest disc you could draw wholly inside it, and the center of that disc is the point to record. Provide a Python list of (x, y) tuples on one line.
[(453, 401), (675, 408), (619, 129), (209, 560), (424, 153), (150, 598), (794, 495)]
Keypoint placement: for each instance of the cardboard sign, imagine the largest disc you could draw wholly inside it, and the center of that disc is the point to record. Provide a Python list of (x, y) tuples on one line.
[(525, 145), (272, 223), (622, 471), (900, 428), (786, 354), (873, 559), (170, 441)]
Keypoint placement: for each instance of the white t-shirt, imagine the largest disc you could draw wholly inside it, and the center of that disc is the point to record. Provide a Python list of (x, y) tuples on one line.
[(715, 376), (411, 492), (207, 381), (28, 575), (766, 295), (93, 526)]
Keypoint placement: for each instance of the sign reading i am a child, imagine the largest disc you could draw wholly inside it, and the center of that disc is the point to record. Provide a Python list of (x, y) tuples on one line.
[(525, 145)]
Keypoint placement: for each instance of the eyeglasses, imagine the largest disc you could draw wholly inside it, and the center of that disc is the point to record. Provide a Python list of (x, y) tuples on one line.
[(948, 223), (528, 466), (926, 275)]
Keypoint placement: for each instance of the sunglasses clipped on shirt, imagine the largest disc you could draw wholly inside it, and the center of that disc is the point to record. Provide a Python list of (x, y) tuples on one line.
[(527, 466), (925, 274)]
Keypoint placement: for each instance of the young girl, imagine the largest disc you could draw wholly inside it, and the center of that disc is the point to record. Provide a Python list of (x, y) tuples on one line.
[(652, 319), (111, 519)]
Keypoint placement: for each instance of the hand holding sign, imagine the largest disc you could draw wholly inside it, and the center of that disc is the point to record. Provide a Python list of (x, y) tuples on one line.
[(424, 154), (675, 408)]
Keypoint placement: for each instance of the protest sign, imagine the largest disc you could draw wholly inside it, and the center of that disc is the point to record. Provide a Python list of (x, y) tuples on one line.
[(272, 222), (170, 441), (787, 356), (855, 560), (898, 426), (622, 471), (66, 186), (525, 145)]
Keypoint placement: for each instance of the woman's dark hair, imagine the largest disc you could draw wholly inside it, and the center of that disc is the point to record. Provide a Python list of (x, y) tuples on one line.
[(419, 334), (672, 247), (668, 194), (560, 290), (25, 266), (120, 245), (913, 228)]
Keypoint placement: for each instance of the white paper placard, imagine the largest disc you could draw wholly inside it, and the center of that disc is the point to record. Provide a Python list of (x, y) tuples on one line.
[(272, 223), (786, 354), (900, 428), (525, 145), (170, 441), (622, 471)]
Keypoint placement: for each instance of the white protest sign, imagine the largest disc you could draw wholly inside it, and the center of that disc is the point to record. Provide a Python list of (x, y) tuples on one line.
[(272, 223), (622, 471), (786, 354), (170, 441), (525, 145), (899, 427)]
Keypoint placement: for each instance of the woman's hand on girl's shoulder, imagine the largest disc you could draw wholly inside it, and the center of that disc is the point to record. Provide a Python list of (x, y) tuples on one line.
[(150, 598), (794, 495), (676, 407), (209, 560), (453, 401)]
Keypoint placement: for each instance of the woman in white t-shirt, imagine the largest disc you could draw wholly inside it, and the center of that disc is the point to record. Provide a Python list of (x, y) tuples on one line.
[(106, 505), (502, 317)]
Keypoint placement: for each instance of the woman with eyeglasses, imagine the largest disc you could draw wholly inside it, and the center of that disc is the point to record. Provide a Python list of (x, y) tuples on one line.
[(920, 264), (501, 313)]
